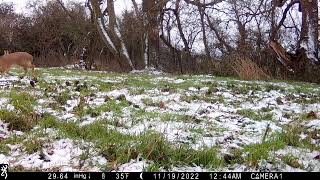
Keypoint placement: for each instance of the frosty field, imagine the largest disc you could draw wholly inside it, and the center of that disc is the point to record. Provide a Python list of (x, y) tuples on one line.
[(97, 121)]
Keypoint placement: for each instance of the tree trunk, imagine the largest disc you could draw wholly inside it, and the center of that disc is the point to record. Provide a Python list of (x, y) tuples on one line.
[(185, 53), (151, 9), (111, 35), (308, 44), (204, 36)]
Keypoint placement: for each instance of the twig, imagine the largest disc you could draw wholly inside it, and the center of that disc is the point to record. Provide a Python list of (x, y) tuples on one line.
[(265, 133)]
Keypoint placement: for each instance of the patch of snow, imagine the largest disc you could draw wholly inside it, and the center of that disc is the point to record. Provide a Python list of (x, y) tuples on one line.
[(3, 102), (148, 70), (71, 104), (4, 132), (10, 107), (189, 169), (314, 124), (305, 157), (178, 81), (116, 93), (63, 154), (97, 102), (133, 166), (69, 117)]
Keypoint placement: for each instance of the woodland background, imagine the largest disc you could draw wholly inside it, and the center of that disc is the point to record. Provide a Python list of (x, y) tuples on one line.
[(220, 37)]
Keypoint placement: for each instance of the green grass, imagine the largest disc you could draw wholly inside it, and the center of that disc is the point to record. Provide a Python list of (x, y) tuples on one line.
[(119, 148), (22, 102), (292, 161), (79, 109), (4, 149), (105, 86), (63, 97), (154, 147), (94, 112), (257, 116), (33, 145), (257, 152), (306, 89), (237, 156), (270, 87), (48, 121), (148, 101), (138, 115), (218, 99), (289, 136), (71, 130), (110, 106), (200, 131), (207, 98), (12, 140), (178, 118), (19, 122), (153, 168), (66, 129), (312, 99), (137, 91), (243, 88)]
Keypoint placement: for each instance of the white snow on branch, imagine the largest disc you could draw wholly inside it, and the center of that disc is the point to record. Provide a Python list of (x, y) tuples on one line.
[(124, 49), (146, 51), (309, 44), (106, 34)]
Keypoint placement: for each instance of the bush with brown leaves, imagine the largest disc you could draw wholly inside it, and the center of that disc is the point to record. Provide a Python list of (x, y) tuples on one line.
[(246, 69)]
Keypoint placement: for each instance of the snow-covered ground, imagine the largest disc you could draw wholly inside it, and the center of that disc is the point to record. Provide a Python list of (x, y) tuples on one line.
[(200, 112)]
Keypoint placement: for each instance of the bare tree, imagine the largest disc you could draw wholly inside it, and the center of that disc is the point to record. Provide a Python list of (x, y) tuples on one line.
[(151, 13), (308, 42), (110, 33)]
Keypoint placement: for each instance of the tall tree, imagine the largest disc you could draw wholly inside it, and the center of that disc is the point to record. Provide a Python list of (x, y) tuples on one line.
[(110, 33), (151, 12), (308, 42), (308, 46)]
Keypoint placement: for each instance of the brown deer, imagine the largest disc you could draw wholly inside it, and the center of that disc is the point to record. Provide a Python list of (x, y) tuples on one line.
[(22, 59)]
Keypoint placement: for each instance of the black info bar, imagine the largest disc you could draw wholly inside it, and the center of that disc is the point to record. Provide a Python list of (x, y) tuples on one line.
[(159, 175), (5, 173)]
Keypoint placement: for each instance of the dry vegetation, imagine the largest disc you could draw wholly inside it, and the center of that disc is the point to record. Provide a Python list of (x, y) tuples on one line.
[(247, 69)]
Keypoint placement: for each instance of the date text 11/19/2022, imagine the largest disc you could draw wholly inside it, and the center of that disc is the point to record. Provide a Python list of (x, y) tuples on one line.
[(156, 175), (169, 176), (217, 175)]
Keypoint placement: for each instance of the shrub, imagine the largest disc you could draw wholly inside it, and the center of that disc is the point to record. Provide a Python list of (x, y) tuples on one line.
[(246, 69)]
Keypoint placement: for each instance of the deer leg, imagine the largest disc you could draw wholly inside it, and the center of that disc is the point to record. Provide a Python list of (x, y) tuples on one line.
[(33, 71), (7, 72), (25, 71)]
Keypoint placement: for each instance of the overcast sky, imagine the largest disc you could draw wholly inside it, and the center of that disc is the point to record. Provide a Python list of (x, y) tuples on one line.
[(20, 5)]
